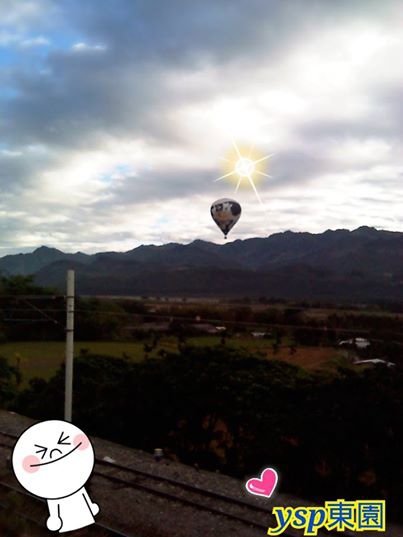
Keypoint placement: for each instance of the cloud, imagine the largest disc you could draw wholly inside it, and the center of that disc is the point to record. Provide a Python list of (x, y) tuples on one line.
[(120, 112), (39, 41), (23, 12), (84, 47), (8, 38)]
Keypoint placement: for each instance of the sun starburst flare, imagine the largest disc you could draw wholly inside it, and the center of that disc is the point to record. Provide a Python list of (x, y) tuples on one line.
[(245, 165)]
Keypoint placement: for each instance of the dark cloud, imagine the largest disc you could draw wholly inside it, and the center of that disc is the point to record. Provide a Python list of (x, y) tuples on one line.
[(331, 130), (384, 119), (132, 76), (388, 103), (183, 33), (79, 95), (160, 185), (19, 170), (295, 166), (126, 88)]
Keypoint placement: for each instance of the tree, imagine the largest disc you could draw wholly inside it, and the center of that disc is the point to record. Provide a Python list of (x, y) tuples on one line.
[(22, 285), (98, 319), (224, 409), (10, 378), (29, 318)]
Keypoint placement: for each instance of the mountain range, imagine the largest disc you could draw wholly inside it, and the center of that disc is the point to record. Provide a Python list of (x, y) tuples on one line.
[(361, 265)]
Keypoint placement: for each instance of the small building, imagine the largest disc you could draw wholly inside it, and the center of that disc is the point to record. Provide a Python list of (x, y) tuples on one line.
[(261, 335), (357, 342), (205, 328), (375, 361)]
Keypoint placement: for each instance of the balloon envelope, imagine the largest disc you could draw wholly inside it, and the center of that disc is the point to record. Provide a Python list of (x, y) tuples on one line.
[(225, 213)]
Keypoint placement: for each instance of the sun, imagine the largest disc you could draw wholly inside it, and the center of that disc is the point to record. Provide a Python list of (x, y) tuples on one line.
[(245, 165)]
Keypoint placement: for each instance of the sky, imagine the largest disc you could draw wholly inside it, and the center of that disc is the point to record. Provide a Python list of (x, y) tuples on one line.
[(116, 117)]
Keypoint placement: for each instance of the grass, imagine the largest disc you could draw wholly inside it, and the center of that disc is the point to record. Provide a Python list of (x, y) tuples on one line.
[(43, 358), (312, 358)]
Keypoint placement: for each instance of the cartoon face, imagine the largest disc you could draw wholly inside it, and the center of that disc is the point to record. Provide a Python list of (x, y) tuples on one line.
[(53, 459)]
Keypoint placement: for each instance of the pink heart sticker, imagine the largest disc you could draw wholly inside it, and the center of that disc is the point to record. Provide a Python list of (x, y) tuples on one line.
[(265, 485)]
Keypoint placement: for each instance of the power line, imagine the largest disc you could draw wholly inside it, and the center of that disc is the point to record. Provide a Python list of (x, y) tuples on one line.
[(33, 297), (164, 317), (189, 320), (39, 310)]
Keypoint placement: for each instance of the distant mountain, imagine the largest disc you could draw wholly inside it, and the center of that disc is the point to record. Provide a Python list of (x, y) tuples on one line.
[(363, 264), (30, 263)]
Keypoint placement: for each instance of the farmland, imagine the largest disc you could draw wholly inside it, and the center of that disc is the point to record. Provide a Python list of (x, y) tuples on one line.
[(221, 363), (301, 334), (43, 358)]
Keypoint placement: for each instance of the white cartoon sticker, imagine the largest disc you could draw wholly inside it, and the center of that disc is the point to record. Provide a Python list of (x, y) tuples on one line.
[(53, 460)]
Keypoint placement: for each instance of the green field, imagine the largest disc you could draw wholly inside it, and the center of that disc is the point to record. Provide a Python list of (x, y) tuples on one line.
[(43, 358)]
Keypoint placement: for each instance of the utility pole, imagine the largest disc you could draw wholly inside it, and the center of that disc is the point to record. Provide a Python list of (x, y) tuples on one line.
[(68, 393)]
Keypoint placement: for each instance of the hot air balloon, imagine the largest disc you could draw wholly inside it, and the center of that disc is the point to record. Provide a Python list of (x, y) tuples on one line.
[(225, 213)]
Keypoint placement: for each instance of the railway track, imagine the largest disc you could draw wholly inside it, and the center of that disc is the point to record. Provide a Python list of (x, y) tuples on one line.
[(190, 496), (97, 529), (172, 490)]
